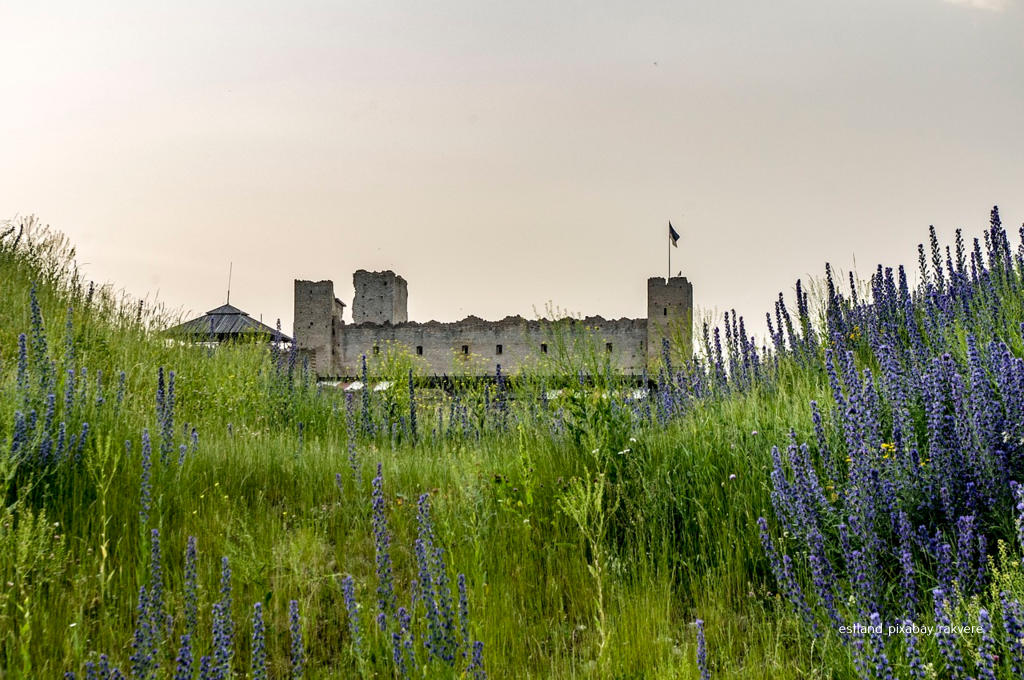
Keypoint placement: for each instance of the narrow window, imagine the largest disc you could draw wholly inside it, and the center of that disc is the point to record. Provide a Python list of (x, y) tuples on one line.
[(376, 349), (498, 349), (419, 350), (465, 349), (544, 348), (608, 347), (665, 312)]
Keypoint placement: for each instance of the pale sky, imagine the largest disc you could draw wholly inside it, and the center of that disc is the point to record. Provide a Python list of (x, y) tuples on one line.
[(501, 155)]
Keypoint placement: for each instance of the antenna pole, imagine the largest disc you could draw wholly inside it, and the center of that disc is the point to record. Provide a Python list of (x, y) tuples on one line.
[(230, 266)]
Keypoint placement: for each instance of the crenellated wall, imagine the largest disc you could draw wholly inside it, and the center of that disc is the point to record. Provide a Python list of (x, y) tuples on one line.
[(474, 346)]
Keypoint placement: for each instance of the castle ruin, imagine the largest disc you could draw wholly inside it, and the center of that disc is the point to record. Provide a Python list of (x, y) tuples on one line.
[(471, 346)]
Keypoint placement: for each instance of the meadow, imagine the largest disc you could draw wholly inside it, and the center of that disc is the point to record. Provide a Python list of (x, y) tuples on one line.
[(184, 511)]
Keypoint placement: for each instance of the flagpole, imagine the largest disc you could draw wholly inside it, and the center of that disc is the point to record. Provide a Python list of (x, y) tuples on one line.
[(669, 246)]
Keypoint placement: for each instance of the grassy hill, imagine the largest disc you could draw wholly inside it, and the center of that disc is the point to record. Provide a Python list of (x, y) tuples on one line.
[(191, 512)]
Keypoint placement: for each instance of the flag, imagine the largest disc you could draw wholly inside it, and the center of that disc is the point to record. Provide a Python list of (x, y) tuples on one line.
[(673, 235)]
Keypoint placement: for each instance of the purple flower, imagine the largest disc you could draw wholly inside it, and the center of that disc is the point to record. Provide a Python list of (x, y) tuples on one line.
[(258, 665), (883, 671), (206, 670), (19, 436), (156, 589), (183, 667), (298, 653), (23, 367), (986, 647), (69, 392), (386, 601), (913, 655), (145, 484), (476, 665), (223, 626), (702, 652), (463, 614), (122, 380), (947, 640), (348, 590), (143, 658), (350, 435), (1013, 624), (191, 595)]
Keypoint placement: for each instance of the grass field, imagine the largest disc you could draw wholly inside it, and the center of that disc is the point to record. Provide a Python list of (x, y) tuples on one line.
[(510, 530)]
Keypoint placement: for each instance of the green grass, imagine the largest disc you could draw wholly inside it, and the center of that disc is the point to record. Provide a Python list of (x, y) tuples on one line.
[(673, 538)]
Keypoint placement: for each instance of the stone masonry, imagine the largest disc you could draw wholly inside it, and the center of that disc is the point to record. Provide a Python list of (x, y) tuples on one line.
[(472, 346)]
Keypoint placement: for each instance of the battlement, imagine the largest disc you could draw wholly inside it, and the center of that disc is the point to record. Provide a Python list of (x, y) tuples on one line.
[(473, 346)]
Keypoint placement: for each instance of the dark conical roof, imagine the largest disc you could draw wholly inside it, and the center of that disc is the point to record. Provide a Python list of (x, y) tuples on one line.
[(227, 309), (225, 323)]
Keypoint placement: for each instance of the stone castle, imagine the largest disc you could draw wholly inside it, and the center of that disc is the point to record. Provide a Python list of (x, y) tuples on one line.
[(471, 346)]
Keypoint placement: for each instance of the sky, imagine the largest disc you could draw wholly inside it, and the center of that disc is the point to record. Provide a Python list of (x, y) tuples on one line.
[(506, 156)]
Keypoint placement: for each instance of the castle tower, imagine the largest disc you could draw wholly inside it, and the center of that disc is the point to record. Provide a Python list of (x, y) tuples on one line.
[(669, 315), (381, 297), (318, 324)]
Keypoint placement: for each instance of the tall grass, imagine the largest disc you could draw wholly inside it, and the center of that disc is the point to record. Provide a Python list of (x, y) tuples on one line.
[(593, 525)]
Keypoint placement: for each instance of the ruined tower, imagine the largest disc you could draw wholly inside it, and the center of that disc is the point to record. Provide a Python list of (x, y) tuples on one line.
[(669, 315), (318, 323), (380, 297)]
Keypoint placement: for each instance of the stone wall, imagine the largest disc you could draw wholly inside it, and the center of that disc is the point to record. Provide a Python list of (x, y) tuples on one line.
[(474, 346)]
